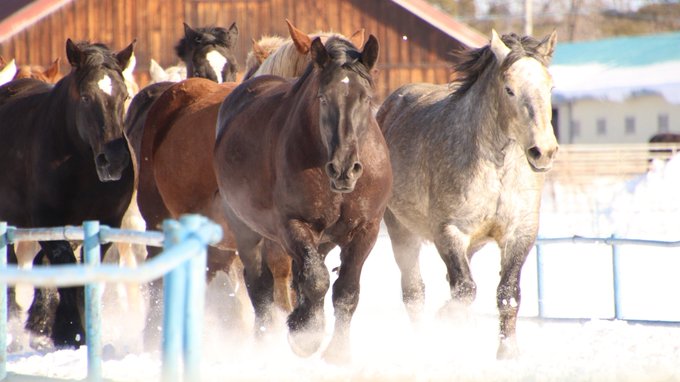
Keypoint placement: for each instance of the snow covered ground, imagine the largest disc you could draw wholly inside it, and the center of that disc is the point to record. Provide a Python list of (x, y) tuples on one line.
[(386, 347)]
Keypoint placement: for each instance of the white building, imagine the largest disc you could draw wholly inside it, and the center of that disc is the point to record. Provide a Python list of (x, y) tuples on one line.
[(618, 90)]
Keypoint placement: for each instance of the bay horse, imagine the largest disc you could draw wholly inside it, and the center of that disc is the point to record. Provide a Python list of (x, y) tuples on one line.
[(469, 161), (207, 52), (156, 136), (66, 160), (51, 74), (303, 163)]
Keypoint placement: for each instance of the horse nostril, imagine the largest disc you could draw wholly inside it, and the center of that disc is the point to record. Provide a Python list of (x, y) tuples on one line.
[(535, 152), (357, 169), (332, 170), (101, 160)]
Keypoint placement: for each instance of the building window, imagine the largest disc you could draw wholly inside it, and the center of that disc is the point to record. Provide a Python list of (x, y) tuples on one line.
[(662, 123), (575, 129), (601, 126), (630, 125)]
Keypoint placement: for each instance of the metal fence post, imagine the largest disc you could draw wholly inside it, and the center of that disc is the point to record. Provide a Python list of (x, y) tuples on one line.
[(173, 303), (3, 302), (195, 303), (616, 280), (93, 302), (539, 280)]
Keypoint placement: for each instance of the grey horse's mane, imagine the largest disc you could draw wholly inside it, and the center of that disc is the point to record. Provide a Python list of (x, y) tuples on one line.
[(469, 64)]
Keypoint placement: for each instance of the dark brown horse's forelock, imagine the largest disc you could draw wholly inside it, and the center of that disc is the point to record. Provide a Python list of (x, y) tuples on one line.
[(96, 56), (469, 64), (345, 55)]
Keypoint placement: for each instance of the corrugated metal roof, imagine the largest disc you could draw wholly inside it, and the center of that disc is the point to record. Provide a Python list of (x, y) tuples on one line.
[(444, 22), (24, 14), (620, 51)]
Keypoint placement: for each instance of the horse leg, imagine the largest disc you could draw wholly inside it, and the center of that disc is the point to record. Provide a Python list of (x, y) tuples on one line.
[(13, 308), (452, 246), (311, 279), (57, 315), (154, 312), (346, 290), (508, 296), (406, 248), (280, 265)]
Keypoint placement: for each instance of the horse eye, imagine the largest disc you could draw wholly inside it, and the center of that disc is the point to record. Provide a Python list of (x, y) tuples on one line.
[(509, 91), (323, 100), (85, 98)]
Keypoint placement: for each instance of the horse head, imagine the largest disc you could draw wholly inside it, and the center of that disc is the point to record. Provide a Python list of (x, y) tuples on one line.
[(344, 99), (526, 95), (50, 75), (207, 52), (98, 96)]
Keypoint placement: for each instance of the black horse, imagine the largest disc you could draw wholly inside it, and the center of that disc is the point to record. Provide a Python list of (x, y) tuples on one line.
[(64, 160), (208, 52)]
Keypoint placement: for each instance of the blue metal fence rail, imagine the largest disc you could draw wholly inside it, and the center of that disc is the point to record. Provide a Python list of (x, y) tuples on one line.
[(611, 241), (181, 264)]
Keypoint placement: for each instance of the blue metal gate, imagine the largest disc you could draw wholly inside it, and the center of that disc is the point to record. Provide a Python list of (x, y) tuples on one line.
[(182, 265)]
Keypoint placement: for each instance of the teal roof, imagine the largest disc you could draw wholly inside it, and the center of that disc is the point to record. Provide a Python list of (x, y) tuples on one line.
[(620, 51)]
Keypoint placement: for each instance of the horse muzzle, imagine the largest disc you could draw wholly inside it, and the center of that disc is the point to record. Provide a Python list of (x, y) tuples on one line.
[(541, 160), (112, 161), (343, 180)]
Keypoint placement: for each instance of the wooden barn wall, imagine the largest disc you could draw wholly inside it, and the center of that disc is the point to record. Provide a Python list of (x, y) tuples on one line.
[(410, 50)]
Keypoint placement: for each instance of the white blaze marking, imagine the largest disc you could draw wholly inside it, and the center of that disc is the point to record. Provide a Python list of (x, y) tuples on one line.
[(105, 85), (345, 80), (217, 62)]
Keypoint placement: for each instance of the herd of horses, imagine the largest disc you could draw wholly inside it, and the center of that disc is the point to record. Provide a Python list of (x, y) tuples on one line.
[(293, 161)]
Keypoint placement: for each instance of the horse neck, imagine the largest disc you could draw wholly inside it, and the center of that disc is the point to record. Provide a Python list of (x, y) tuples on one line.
[(479, 112), (306, 110)]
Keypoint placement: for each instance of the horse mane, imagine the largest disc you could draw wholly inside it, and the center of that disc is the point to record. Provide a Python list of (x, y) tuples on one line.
[(287, 61), (344, 54), (220, 36), (469, 64)]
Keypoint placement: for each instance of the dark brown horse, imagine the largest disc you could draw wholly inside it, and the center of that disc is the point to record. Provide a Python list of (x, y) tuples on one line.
[(65, 160), (304, 164)]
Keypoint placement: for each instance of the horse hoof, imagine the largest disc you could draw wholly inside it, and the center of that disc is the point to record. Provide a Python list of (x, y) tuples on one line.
[(304, 344), (507, 350), (336, 357), (41, 343)]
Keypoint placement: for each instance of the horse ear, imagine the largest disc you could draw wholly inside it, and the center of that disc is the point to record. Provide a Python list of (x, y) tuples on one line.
[(498, 47), (357, 38), (123, 57), (53, 71), (547, 47), (320, 56), (73, 53), (190, 34), (369, 55), (300, 39), (8, 72), (157, 72), (259, 53), (232, 35)]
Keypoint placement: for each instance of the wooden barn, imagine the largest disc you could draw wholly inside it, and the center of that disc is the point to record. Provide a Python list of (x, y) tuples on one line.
[(415, 38)]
